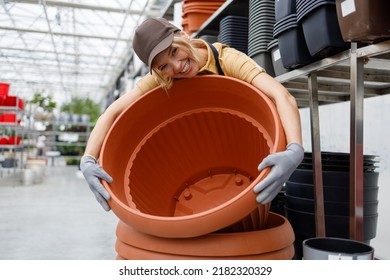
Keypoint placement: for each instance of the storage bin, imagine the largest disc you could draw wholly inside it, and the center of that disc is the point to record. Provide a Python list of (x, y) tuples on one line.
[(321, 30), (14, 140), (273, 49), (4, 88), (10, 100), (4, 141), (292, 45), (284, 8), (264, 59), (363, 20), (9, 118)]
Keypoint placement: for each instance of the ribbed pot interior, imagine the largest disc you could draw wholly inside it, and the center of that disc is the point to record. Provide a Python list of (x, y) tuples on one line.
[(195, 162)]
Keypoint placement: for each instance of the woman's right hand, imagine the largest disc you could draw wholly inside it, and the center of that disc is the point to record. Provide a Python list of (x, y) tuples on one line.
[(93, 172)]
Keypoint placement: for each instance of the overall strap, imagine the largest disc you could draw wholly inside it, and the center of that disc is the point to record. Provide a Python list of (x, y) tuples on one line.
[(216, 57)]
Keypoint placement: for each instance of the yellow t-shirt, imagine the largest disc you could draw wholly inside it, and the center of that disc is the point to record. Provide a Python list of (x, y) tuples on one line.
[(233, 63)]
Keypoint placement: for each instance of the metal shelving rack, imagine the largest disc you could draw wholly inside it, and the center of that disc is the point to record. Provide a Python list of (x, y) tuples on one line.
[(17, 130), (352, 75)]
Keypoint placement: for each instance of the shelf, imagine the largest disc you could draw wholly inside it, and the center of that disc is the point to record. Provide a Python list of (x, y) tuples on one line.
[(78, 144), (351, 75), (10, 109), (334, 75), (9, 124), (229, 8), (9, 147)]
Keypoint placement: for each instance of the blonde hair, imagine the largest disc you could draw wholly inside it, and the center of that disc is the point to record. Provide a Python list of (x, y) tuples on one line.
[(189, 47)]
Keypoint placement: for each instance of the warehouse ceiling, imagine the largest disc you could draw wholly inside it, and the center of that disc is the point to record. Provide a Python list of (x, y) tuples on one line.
[(70, 47)]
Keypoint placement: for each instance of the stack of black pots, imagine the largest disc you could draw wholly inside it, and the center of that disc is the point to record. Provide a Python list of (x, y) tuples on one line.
[(261, 22), (233, 31), (300, 195), (289, 33), (320, 25)]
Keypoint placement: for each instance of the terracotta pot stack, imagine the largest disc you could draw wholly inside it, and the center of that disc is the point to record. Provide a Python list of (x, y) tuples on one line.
[(274, 241), (195, 13), (184, 165)]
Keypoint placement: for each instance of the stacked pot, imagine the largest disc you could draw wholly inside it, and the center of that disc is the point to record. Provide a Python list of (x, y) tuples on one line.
[(289, 33), (261, 21), (307, 30), (300, 203), (195, 13), (184, 176), (233, 31), (320, 27), (367, 21)]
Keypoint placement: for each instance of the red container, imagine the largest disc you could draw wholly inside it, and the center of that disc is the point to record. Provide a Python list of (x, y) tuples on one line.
[(4, 88), (14, 140), (9, 118), (10, 100), (4, 141), (196, 18), (21, 103)]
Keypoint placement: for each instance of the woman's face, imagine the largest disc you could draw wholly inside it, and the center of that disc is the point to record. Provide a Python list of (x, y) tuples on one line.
[(174, 62)]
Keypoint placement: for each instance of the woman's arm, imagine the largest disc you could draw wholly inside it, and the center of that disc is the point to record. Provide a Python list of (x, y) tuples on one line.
[(106, 120), (285, 104), (282, 163)]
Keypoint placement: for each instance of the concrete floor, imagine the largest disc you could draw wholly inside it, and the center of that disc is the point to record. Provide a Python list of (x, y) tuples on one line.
[(58, 219)]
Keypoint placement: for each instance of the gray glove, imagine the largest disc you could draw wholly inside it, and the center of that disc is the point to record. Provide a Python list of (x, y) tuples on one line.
[(93, 173), (283, 165)]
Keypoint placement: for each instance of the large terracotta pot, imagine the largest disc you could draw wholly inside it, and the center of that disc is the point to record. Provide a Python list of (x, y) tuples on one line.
[(274, 242), (185, 162)]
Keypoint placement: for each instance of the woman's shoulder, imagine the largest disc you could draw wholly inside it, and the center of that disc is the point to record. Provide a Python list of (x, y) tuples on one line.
[(147, 83)]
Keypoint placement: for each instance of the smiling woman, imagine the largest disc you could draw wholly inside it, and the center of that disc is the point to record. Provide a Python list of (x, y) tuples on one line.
[(172, 55)]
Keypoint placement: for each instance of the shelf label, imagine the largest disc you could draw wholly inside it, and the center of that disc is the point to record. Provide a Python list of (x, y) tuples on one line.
[(276, 55), (348, 7)]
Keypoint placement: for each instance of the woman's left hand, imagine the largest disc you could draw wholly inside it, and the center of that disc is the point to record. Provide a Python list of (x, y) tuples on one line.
[(283, 165)]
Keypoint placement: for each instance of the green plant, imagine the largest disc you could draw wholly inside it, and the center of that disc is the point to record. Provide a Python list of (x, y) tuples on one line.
[(80, 106), (72, 161), (70, 150), (43, 101)]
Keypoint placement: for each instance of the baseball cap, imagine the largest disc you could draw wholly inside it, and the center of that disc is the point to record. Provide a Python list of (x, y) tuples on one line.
[(153, 36)]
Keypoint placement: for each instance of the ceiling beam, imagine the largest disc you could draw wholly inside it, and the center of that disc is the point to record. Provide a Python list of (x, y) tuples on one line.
[(85, 7), (27, 30), (52, 52)]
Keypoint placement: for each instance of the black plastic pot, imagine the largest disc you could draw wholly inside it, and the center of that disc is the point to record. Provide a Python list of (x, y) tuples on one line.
[(336, 249), (322, 32), (333, 178), (335, 225), (292, 45), (331, 193), (330, 207), (300, 195), (284, 8)]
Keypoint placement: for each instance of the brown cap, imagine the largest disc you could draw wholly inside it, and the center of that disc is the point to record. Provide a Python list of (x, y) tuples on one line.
[(153, 36)]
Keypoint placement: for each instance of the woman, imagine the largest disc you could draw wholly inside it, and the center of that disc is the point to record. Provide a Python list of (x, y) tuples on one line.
[(171, 54)]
